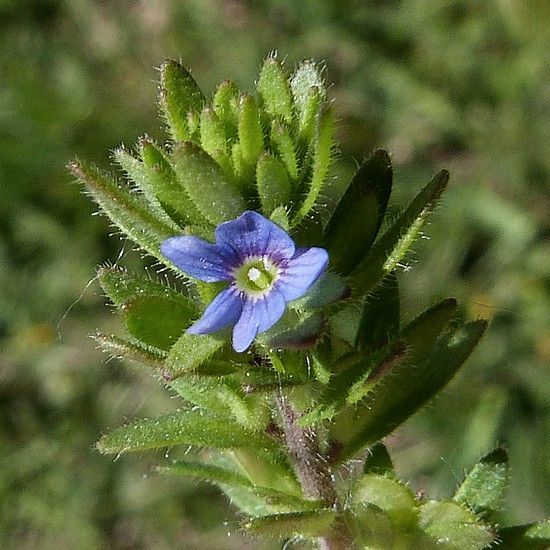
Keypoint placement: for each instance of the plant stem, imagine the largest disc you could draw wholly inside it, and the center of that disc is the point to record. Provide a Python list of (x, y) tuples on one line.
[(310, 465)]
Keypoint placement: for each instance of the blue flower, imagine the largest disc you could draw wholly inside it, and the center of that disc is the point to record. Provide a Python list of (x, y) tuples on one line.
[(264, 269)]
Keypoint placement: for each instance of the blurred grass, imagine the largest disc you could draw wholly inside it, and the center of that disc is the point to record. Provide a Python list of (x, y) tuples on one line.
[(454, 84)]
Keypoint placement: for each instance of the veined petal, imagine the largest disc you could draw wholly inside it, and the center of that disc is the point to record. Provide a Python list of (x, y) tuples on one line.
[(246, 328), (301, 271), (269, 309), (198, 258), (224, 310), (253, 235), (258, 315)]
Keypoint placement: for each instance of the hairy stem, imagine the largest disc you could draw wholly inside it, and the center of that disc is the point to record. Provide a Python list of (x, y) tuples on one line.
[(310, 465)]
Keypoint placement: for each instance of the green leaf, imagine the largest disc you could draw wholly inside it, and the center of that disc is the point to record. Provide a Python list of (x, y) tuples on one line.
[(269, 469), (322, 156), (284, 146), (179, 94), (158, 321), (273, 183), (389, 495), (226, 106), (190, 351), (380, 316), (136, 352), (378, 461), (165, 185), (223, 477), (122, 286), (274, 90), (483, 489), (202, 391), (190, 427), (453, 527), (213, 140), (357, 374), (412, 384), (355, 223), (306, 77), (216, 197), (386, 253), (250, 134), (308, 117), (280, 217), (307, 523), (126, 209), (533, 536), (153, 313), (140, 174)]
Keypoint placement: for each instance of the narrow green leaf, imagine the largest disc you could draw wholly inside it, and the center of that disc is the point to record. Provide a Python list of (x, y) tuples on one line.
[(153, 313), (386, 254), (378, 461), (532, 536), (201, 391), (122, 286), (269, 469), (274, 89), (224, 477), (380, 315), (412, 384), (190, 351), (190, 427), (158, 321), (273, 183), (353, 380), (307, 523), (226, 106), (284, 146), (389, 495), (280, 217), (322, 156), (136, 352), (165, 185), (483, 489), (308, 117), (306, 77), (179, 94), (140, 175), (216, 198), (453, 527), (213, 140), (250, 136), (126, 209), (355, 223)]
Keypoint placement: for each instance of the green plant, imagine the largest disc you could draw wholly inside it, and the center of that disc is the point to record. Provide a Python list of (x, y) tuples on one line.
[(291, 429)]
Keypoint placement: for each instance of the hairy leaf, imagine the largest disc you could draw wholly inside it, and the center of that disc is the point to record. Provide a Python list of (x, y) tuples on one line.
[(386, 254), (190, 427), (274, 90), (179, 94), (215, 196), (190, 351), (126, 209), (273, 183), (308, 524), (355, 223), (483, 489)]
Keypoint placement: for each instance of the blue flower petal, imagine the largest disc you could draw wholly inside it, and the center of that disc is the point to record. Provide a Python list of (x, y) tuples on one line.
[(198, 258), (258, 315), (253, 235), (269, 309), (301, 271), (224, 310), (246, 328)]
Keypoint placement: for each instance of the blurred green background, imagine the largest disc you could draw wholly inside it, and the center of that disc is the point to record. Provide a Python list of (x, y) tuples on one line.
[(445, 83)]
